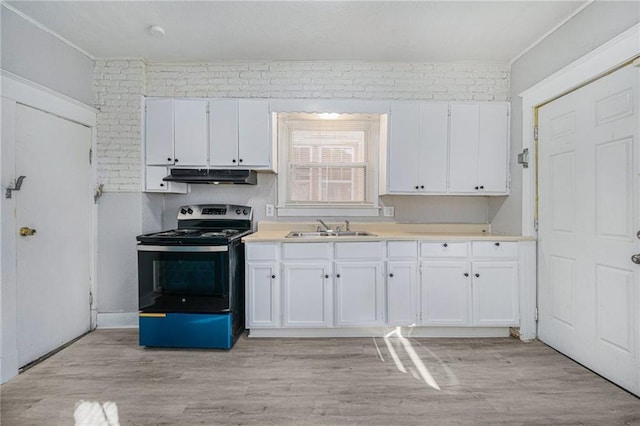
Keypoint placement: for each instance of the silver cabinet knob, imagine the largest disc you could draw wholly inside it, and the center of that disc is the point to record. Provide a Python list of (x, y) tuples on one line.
[(636, 259)]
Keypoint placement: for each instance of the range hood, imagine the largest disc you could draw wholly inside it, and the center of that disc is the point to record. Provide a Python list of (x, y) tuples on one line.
[(242, 177)]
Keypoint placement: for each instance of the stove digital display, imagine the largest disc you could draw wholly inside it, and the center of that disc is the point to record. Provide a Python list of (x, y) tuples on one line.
[(211, 211)]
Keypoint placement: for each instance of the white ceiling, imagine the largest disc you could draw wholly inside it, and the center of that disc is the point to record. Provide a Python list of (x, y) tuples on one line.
[(204, 31)]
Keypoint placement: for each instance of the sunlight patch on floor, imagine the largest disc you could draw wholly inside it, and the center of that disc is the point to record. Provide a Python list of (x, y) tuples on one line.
[(94, 413), (421, 368)]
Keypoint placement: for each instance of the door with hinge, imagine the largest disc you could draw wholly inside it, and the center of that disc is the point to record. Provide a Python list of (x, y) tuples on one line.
[(53, 248), (589, 276)]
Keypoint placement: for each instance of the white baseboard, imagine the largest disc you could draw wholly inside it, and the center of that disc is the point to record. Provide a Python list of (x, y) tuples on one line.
[(381, 332), (117, 320)]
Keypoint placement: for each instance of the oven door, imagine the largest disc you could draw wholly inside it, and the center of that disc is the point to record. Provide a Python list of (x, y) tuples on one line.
[(184, 279)]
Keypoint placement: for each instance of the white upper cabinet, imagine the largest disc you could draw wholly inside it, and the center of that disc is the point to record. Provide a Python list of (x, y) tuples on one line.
[(417, 151), (254, 134), (159, 132), (479, 148), (223, 132), (190, 132), (176, 132), (240, 133)]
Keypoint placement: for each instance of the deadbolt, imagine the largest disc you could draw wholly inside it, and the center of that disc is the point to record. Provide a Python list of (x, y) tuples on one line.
[(636, 259), (27, 232)]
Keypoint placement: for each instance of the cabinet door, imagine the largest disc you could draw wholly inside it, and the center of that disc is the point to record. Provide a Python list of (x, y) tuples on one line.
[(403, 158), (254, 133), (446, 293), (262, 292), (190, 132), (433, 146), (223, 132), (154, 182), (401, 293), (307, 294), (493, 148), (463, 150), (495, 294), (159, 132), (359, 293)]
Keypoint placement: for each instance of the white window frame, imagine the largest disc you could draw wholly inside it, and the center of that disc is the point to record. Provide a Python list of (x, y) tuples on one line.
[(330, 210)]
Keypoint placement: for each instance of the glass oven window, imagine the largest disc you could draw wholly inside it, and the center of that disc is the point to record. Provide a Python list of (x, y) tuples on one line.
[(203, 277)]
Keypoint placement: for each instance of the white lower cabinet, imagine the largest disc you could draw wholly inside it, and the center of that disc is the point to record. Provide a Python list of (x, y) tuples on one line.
[(375, 284), (495, 294), (359, 293), (402, 280), (446, 292), (307, 295), (263, 293)]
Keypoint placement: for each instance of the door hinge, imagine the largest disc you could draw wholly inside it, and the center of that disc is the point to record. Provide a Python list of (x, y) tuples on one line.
[(90, 155), (535, 224), (535, 133), (90, 298), (535, 314)]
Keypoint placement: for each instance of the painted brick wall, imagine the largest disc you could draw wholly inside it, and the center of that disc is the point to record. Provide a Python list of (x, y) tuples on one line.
[(119, 84), (119, 87)]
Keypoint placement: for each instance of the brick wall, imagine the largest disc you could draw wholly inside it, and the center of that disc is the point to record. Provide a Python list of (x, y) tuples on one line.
[(119, 84)]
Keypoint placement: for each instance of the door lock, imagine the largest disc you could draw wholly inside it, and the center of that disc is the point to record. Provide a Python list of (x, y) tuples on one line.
[(27, 232), (636, 259)]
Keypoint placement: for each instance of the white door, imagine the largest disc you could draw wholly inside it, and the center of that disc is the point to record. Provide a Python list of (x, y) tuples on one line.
[(495, 294), (159, 132), (262, 295), (404, 147), (588, 286), (463, 148), (53, 265), (223, 132), (254, 133)]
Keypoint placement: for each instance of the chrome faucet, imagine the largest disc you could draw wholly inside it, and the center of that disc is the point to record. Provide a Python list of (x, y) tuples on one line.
[(347, 226), (326, 228)]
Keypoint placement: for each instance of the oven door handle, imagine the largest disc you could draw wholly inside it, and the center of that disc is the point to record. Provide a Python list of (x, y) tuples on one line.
[(184, 249)]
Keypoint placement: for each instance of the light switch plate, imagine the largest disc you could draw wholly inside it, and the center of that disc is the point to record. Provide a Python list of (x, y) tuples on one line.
[(388, 211), (270, 210)]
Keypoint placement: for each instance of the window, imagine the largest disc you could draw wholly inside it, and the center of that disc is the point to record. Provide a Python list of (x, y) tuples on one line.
[(328, 164)]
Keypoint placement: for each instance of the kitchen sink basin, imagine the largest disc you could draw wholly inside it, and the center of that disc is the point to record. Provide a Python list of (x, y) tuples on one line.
[(311, 234)]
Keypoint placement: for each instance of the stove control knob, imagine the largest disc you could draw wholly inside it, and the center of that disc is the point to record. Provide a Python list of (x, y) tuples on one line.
[(183, 211), (245, 212), (190, 210), (238, 211)]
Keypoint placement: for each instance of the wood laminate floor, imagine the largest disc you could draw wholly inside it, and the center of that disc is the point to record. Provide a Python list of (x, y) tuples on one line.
[(364, 381)]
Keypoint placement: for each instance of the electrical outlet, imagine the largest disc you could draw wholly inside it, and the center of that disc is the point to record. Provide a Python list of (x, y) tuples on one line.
[(388, 211), (270, 210)]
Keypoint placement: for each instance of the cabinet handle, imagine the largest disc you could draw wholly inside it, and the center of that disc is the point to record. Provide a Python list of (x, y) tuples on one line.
[(497, 244), (445, 245), (477, 275), (337, 275), (162, 184), (391, 275), (477, 187), (466, 274), (481, 186), (421, 186), (176, 160), (326, 276), (273, 276), (233, 161), (417, 187), (168, 159), (240, 160)]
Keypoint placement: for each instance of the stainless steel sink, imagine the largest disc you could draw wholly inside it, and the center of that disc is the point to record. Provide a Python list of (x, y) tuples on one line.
[(312, 234)]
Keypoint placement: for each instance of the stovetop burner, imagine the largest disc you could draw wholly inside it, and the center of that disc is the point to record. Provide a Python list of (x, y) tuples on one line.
[(208, 224)]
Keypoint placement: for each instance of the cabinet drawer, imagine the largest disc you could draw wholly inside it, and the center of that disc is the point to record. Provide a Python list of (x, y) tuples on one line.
[(262, 251), (444, 249), (402, 250), (357, 250), (306, 250), (494, 249)]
